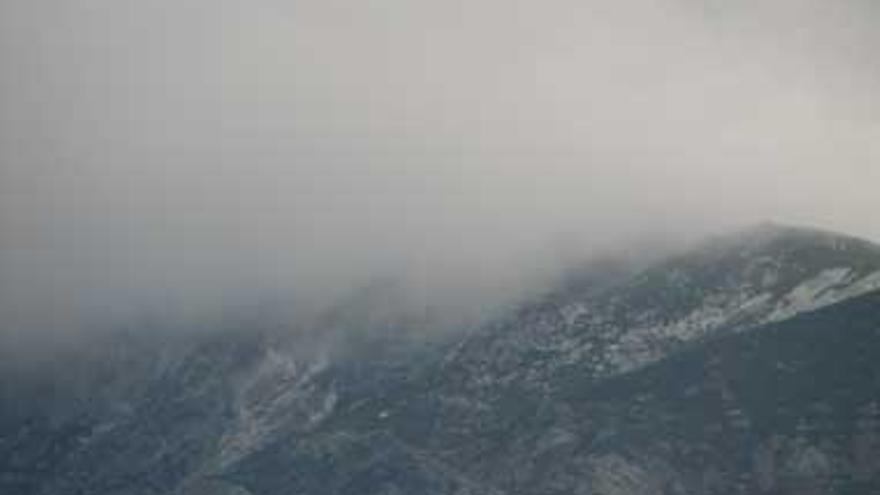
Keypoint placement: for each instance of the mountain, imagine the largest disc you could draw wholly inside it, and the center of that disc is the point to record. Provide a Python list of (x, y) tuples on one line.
[(748, 364), (732, 283), (790, 409)]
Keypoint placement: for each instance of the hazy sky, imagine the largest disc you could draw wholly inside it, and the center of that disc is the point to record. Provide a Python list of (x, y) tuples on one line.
[(192, 151)]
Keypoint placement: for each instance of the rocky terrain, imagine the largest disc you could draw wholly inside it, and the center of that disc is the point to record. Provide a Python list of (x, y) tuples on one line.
[(747, 365)]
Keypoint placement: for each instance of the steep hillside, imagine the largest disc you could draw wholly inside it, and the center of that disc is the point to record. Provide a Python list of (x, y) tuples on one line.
[(733, 283), (793, 408), (747, 365)]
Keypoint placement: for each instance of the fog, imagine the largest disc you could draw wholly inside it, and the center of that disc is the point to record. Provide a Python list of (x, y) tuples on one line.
[(172, 155)]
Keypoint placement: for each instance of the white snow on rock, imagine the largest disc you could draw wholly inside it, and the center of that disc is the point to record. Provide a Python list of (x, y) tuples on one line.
[(641, 345), (811, 294), (280, 391), (636, 322), (828, 287), (736, 310)]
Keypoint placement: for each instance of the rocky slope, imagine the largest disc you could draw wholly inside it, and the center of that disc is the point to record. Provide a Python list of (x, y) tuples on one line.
[(733, 283), (792, 408), (746, 365)]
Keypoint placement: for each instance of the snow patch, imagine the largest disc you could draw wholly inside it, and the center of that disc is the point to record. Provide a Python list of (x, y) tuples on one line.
[(828, 287)]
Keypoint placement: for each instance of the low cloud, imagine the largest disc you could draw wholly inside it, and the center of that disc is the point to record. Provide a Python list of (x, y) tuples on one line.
[(185, 156)]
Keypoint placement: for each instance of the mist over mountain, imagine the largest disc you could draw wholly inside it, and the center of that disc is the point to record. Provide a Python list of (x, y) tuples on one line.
[(746, 364), (439, 247), (188, 156)]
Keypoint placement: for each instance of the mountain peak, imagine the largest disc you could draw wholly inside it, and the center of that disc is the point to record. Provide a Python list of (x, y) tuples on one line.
[(770, 260), (733, 283), (796, 253), (771, 235)]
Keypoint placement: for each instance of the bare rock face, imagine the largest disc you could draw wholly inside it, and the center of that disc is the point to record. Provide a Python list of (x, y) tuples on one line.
[(748, 366)]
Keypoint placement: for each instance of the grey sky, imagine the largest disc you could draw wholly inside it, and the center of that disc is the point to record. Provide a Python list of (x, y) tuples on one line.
[(191, 151)]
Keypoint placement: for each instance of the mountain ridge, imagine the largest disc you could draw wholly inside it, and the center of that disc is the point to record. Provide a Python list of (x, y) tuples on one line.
[(530, 403)]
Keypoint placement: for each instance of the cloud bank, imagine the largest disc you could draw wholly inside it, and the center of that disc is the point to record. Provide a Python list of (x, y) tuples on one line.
[(191, 153)]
